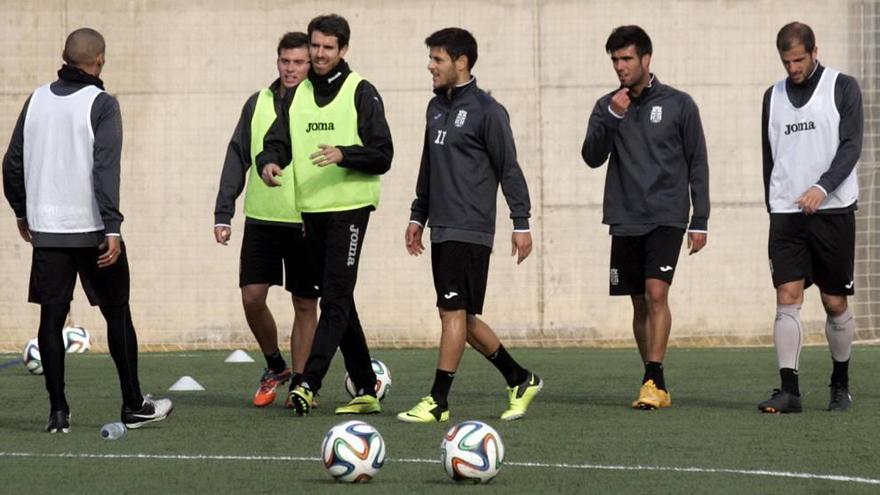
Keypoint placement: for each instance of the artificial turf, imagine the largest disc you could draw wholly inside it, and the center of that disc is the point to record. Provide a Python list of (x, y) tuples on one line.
[(580, 433)]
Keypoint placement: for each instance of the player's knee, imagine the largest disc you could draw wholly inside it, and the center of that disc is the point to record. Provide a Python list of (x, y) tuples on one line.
[(305, 307), (834, 305), (253, 300), (656, 294)]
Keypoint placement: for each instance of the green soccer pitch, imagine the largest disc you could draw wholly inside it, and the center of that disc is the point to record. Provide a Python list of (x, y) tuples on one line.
[(579, 436)]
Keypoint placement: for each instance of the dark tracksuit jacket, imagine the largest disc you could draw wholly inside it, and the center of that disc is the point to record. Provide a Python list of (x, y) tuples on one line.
[(107, 127), (848, 100), (468, 151), (658, 163), (341, 233), (238, 161)]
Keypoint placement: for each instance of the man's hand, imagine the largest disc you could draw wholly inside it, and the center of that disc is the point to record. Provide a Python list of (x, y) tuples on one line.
[(112, 248), (696, 242), (522, 245), (413, 239), (809, 201), (23, 230), (326, 155), (270, 171), (222, 234), (620, 101)]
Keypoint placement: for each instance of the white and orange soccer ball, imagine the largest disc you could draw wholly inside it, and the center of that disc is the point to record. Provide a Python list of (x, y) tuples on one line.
[(472, 451), (383, 380), (353, 452)]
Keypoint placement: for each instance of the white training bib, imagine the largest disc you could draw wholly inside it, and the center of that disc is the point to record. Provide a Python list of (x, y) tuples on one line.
[(58, 162), (803, 141)]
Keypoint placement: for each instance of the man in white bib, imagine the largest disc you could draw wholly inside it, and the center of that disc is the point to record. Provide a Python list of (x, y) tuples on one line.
[(61, 177), (812, 138)]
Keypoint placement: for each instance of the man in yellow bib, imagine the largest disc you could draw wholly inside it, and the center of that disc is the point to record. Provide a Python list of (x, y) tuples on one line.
[(273, 250), (334, 134)]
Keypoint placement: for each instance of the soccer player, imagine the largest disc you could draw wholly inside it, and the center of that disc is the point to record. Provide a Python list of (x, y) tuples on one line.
[(273, 249), (811, 129), (468, 151), (333, 132), (61, 177), (654, 137)]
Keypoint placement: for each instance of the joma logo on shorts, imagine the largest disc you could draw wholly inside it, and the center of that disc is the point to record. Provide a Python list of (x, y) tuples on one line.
[(800, 126), (323, 126), (353, 245)]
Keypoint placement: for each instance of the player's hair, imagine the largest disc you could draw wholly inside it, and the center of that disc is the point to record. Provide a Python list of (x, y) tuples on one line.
[(331, 25), (83, 46), (793, 33), (456, 42), (624, 36), (293, 40)]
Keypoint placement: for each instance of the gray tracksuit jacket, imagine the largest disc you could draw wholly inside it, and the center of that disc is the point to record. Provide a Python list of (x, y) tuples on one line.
[(468, 152), (658, 163)]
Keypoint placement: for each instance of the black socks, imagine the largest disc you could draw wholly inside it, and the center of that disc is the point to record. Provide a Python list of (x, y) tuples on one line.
[(442, 384), (513, 373), (275, 362), (789, 381), (654, 371)]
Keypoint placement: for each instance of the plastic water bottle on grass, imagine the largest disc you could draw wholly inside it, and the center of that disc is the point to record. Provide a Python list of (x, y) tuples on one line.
[(113, 431)]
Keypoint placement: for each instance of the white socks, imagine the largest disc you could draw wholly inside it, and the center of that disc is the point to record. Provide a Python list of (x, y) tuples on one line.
[(788, 335), (839, 331)]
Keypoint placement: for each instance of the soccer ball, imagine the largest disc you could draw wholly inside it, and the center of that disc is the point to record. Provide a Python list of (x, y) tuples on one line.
[(76, 340), (353, 452), (472, 451), (31, 357), (383, 380)]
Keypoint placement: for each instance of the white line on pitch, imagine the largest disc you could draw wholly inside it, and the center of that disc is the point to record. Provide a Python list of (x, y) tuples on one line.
[(600, 467)]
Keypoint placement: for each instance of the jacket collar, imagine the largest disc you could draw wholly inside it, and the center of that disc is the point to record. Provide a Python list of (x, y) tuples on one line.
[(73, 74), (457, 90), (331, 82)]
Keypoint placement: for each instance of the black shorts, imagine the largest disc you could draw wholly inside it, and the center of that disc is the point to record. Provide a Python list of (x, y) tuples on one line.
[(275, 254), (461, 270), (54, 271), (817, 248), (635, 259)]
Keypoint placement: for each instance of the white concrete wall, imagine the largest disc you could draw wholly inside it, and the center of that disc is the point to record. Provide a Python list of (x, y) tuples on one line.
[(182, 70)]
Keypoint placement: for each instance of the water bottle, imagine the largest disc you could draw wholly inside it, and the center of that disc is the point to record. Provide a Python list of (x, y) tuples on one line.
[(113, 431)]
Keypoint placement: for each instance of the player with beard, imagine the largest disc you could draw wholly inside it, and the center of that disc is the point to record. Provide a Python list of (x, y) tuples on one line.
[(468, 152), (333, 133), (812, 125), (657, 169)]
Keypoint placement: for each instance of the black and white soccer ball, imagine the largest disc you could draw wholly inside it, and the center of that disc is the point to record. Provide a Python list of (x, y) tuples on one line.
[(31, 357)]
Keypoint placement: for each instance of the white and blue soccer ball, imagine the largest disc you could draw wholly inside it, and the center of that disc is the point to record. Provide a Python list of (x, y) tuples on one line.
[(76, 340), (353, 452), (472, 451), (31, 357), (383, 380)]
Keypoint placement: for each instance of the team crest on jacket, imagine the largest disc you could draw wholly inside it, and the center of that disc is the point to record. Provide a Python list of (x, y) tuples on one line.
[(656, 114), (460, 118)]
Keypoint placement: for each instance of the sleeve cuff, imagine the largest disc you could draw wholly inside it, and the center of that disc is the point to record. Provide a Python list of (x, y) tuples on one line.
[(222, 219), (821, 189), (699, 225), (112, 228), (521, 224), (613, 113), (420, 224), (418, 217)]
